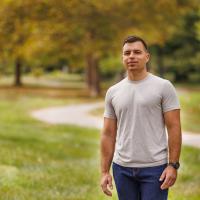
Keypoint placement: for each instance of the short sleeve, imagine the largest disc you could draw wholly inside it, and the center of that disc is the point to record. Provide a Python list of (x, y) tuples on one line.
[(109, 111), (169, 97)]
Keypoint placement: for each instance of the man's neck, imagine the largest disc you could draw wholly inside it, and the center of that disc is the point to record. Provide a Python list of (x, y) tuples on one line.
[(137, 76)]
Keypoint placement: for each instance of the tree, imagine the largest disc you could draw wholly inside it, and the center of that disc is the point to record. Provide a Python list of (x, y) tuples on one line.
[(84, 32), (181, 52), (14, 32), (21, 31), (95, 29)]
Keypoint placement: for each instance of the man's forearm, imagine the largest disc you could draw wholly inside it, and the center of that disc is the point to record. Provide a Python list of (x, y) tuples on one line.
[(107, 151), (174, 142)]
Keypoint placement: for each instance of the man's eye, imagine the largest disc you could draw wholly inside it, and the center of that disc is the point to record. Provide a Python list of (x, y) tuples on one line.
[(126, 53), (138, 52)]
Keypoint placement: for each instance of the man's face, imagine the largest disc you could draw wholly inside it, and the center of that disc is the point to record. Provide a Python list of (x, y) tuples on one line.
[(135, 56)]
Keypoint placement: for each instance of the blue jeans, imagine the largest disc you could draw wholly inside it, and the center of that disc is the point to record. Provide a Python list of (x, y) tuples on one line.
[(139, 183)]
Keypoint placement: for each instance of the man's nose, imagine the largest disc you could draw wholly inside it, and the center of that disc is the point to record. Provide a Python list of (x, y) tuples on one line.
[(131, 54)]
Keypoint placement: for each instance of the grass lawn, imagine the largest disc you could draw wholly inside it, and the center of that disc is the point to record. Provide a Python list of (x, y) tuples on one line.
[(57, 162), (53, 79), (190, 103), (41, 161)]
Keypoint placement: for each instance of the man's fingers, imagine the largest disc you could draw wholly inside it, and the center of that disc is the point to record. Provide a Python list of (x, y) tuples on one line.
[(108, 192), (172, 181), (105, 190), (169, 176), (107, 182), (169, 181), (162, 177), (165, 184), (110, 182)]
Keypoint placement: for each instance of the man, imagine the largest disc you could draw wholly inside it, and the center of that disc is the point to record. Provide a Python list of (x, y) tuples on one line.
[(137, 109)]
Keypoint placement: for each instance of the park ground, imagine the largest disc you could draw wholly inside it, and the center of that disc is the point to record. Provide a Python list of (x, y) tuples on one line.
[(61, 162)]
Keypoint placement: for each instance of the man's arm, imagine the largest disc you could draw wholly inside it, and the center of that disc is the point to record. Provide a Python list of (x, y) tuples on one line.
[(108, 138), (172, 122)]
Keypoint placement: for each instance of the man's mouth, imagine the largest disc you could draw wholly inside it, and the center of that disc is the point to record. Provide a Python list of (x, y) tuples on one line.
[(132, 63)]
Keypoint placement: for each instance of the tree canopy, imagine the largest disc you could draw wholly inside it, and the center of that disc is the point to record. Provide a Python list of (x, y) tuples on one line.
[(82, 33)]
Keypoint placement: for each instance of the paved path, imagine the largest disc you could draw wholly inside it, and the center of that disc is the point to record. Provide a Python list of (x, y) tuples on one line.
[(79, 115), (72, 114)]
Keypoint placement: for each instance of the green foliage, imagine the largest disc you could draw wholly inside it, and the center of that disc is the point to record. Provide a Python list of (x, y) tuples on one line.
[(181, 53), (37, 72), (44, 32), (111, 66), (52, 34)]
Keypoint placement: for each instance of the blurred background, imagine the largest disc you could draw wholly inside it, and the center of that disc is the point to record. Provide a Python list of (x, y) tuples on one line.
[(63, 52)]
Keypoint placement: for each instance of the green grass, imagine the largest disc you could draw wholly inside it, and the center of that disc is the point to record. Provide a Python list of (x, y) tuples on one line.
[(187, 186), (190, 110), (58, 162), (54, 79), (41, 161)]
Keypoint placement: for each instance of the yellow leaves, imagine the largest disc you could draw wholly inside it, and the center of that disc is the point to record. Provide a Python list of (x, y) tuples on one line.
[(28, 27)]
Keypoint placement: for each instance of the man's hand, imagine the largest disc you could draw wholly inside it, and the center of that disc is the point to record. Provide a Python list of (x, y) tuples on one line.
[(106, 181), (169, 176)]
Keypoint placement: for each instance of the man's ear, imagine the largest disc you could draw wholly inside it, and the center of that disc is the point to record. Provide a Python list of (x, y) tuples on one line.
[(147, 56)]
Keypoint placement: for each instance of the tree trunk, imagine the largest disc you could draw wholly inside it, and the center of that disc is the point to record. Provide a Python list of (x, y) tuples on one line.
[(18, 72), (92, 75), (89, 72)]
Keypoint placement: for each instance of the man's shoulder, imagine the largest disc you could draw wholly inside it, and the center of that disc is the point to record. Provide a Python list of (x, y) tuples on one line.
[(117, 85), (163, 85), (159, 79)]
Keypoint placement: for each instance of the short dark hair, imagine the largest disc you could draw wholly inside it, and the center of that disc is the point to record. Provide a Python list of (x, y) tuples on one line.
[(132, 38)]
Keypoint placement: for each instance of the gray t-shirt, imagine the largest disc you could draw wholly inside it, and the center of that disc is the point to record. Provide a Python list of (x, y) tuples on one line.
[(138, 107)]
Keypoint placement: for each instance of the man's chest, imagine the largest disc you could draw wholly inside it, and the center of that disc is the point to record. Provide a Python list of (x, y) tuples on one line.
[(136, 98)]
